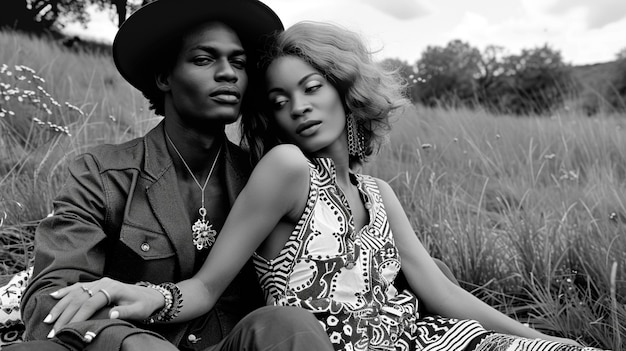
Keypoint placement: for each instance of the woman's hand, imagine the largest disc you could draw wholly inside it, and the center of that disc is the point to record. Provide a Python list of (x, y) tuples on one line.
[(81, 301)]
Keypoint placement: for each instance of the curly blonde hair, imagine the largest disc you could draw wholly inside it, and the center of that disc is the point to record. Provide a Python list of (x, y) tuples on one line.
[(369, 91)]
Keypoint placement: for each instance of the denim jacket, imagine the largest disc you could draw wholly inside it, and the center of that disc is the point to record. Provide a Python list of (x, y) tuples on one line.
[(119, 215)]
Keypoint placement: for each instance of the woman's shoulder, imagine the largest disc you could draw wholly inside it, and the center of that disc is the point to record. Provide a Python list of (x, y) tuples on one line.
[(285, 160), (383, 187)]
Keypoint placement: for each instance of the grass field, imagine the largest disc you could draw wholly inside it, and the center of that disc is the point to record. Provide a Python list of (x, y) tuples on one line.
[(529, 213)]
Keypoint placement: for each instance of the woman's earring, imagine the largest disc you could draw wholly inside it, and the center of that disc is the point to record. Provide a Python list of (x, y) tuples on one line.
[(356, 138)]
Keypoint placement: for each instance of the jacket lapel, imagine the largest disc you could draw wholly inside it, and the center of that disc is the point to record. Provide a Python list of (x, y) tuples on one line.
[(237, 171), (165, 200)]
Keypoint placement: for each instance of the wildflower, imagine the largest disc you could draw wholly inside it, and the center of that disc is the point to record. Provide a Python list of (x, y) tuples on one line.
[(568, 175), (75, 108), (431, 179), (549, 157), (27, 69), (426, 146), (613, 216)]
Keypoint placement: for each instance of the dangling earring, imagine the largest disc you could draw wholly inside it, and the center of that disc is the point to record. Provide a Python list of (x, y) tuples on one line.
[(356, 138)]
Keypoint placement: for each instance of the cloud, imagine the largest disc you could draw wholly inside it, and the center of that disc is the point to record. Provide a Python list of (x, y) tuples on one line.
[(568, 34), (599, 13), (400, 9)]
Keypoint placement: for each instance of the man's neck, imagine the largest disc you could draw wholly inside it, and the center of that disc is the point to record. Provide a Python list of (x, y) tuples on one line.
[(196, 150)]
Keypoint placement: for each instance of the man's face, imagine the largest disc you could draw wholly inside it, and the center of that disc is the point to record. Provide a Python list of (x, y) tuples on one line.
[(207, 83)]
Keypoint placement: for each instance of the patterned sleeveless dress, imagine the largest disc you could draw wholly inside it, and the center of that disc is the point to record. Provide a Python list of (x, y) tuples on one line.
[(346, 279)]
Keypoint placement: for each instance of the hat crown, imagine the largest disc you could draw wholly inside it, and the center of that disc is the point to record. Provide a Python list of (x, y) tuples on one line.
[(153, 26)]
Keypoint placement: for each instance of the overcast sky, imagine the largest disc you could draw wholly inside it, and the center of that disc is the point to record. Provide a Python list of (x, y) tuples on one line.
[(584, 31)]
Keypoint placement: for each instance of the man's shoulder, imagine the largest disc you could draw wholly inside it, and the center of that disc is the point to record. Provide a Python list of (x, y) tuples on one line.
[(116, 156)]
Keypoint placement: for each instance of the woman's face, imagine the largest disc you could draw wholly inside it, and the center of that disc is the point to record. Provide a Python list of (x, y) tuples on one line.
[(305, 106)]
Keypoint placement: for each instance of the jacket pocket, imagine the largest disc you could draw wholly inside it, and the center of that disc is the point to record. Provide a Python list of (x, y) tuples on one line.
[(146, 244), (141, 255)]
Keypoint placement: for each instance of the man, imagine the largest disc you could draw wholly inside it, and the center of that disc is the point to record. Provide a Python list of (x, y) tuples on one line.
[(148, 209)]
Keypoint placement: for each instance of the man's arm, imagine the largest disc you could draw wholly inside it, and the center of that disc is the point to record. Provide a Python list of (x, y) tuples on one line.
[(69, 245)]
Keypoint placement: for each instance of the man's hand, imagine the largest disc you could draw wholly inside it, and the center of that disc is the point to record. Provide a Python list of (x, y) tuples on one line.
[(79, 302)]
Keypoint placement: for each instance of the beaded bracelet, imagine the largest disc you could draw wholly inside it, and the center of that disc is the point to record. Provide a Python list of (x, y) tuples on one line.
[(173, 302)]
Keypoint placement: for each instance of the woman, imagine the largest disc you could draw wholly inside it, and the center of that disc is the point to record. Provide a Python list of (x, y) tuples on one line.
[(328, 239)]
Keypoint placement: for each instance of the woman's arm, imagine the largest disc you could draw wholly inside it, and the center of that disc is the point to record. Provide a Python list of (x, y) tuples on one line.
[(276, 190), (278, 187), (433, 288)]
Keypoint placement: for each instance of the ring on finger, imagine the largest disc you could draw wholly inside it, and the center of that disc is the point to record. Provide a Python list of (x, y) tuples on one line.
[(86, 289), (107, 295)]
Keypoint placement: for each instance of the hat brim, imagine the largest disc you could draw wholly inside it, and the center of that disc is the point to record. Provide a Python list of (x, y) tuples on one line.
[(154, 26)]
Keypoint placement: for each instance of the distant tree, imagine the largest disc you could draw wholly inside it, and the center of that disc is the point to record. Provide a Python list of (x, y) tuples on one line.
[(536, 81), (489, 80), (621, 55), (446, 75), (52, 15), (40, 15), (533, 82)]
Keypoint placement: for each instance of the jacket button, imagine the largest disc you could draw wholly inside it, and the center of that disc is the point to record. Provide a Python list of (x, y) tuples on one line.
[(145, 247), (193, 339)]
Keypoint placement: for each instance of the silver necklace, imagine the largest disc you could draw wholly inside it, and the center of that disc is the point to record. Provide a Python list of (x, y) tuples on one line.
[(203, 232)]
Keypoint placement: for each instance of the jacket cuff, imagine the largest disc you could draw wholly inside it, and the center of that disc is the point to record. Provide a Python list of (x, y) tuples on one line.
[(102, 334)]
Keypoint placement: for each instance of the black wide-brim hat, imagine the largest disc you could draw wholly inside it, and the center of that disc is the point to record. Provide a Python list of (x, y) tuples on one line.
[(141, 39)]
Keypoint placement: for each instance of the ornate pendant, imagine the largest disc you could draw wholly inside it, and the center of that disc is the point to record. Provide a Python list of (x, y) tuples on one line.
[(203, 232)]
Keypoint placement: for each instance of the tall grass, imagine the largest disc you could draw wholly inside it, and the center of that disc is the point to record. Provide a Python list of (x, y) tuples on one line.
[(528, 212), (54, 104)]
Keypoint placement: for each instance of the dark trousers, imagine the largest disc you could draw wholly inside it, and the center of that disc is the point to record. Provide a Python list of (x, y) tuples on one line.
[(268, 328)]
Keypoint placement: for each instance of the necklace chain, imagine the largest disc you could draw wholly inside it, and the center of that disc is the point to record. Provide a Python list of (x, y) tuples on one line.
[(203, 232), (202, 187)]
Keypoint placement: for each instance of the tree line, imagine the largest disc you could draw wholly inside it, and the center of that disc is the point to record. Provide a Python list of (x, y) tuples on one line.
[(534, 82), (37, 16), (537, 81)]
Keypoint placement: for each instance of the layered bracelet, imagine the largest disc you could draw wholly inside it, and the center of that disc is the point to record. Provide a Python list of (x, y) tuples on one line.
[(173, 302)]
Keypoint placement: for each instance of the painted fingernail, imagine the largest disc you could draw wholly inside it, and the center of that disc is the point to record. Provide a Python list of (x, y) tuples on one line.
[(48, 319), (114, 314), (51, 334), (55, 293)]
